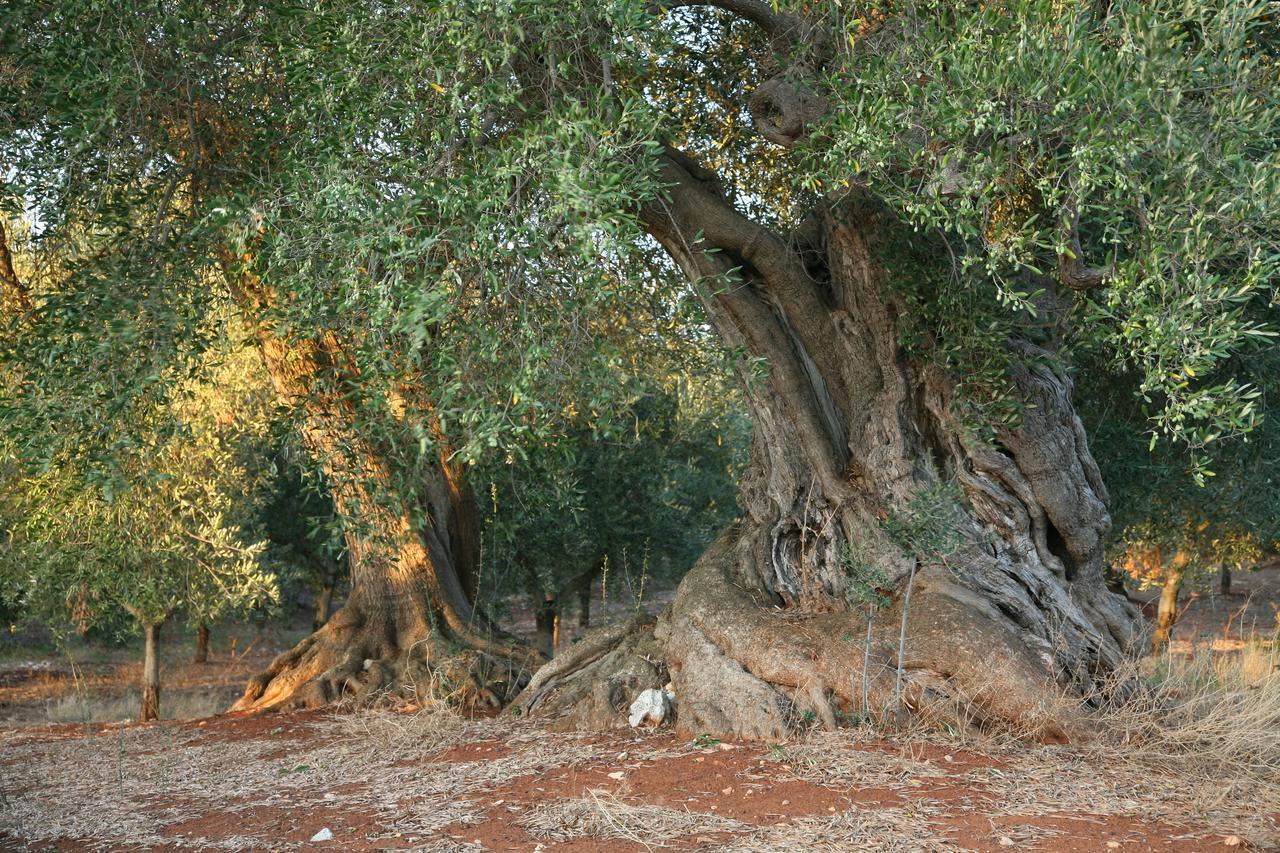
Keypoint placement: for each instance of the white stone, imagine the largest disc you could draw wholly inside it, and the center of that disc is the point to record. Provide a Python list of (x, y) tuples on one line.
[(323, 835), (651, 706)]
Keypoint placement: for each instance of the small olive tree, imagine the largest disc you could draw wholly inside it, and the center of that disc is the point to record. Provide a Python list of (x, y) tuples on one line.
[(167, 534)]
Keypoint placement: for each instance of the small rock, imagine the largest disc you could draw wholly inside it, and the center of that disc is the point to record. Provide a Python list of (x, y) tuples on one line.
[(1233, 841), (323, 835), (1113, 845), (651, 706), (1006, 841), (726, 747), (727, 791), (617, 774)]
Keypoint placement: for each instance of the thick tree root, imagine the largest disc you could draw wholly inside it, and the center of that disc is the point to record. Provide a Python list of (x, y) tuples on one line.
[(744, 668), (360, 658), (591, 685)]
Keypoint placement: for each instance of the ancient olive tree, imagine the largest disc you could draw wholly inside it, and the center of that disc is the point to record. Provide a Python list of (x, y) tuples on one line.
[(900, 217)]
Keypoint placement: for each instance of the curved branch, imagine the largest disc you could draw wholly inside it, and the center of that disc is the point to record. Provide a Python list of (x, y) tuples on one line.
[(1071, 267), (759, 12), (783, 110)]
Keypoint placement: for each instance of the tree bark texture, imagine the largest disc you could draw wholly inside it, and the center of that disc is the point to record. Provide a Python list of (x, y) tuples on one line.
[(851, 431), (150, 709), (408, 625)]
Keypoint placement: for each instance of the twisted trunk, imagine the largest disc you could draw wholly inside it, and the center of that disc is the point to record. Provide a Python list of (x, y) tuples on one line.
[(408, 624), (853, 437)]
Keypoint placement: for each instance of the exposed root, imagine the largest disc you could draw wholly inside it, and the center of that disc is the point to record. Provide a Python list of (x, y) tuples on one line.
[(591, 685), (743, 668), (359, 658)]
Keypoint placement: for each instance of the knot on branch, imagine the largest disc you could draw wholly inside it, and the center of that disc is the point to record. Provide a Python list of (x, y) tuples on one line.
[(783, 111)]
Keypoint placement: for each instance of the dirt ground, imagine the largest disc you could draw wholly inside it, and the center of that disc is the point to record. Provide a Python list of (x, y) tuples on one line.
[(432, 780), (380, 780)]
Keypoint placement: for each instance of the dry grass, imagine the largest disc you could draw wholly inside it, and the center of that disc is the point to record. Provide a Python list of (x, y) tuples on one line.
[(841, 758), (884, 830), (1206, 716), (107, 786), (600, 814), (82, 707)]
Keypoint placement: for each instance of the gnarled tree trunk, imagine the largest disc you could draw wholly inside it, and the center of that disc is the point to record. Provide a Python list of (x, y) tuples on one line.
[(852, 437), (408, 625)]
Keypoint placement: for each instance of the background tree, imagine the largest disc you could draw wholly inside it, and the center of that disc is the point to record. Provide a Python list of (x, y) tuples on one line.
[(300, 521), (166, 535), (634, 504), (1170, 530)]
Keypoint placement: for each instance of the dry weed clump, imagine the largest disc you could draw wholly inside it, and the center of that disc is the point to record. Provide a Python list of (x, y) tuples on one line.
[(600, 814), (1207, 717), (838, 758)]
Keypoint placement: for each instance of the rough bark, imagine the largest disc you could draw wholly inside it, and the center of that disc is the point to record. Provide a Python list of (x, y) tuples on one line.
[(150, 709), (15, 296), (202, 644), (408, 626), (1224, 579), (852, 431)]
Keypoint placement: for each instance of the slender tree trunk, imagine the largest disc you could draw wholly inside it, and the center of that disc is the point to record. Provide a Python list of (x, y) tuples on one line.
[(409, 619), (150, 673), (1167, 615), (323, 599), (1224, 579), (15, 296), (853, 435), (584, 603), (544, 618), (202, 643)]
